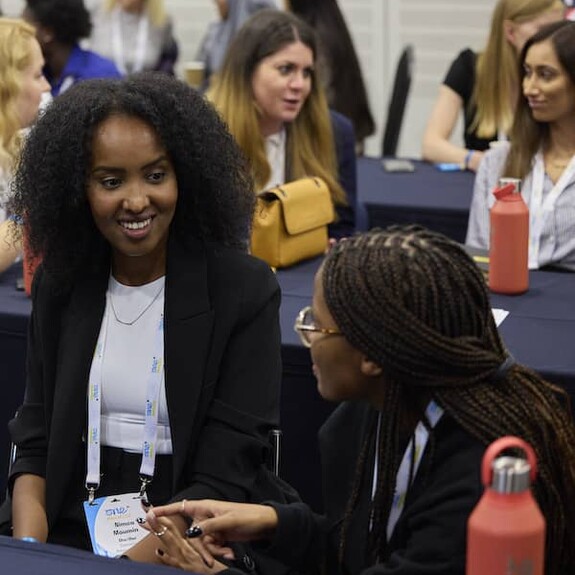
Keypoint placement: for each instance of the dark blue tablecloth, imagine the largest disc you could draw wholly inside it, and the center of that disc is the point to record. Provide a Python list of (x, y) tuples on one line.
[(22, 558), (437, 200)]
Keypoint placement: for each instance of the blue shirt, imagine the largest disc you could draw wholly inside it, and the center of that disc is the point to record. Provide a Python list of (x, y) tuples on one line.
[(82, 65)]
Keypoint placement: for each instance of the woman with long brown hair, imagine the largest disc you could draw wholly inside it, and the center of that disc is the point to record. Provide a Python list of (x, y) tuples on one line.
[(541, 152), (268, 95), (484, 86), (339, 67)]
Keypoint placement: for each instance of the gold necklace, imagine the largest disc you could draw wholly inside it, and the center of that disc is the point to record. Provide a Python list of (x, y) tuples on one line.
[(559, 164)]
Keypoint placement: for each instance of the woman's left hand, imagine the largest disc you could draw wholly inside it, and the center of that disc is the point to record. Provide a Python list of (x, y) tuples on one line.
[(180, 552)]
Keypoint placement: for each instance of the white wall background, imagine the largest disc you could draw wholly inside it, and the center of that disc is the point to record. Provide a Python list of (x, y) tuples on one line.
[(438, 30)]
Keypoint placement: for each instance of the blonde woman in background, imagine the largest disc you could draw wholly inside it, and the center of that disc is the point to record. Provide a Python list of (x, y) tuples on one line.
[(135, 34), (23, 84), (485, 86), (268, 95)]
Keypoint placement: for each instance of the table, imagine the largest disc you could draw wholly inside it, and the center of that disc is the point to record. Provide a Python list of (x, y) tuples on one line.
[(437, 200), (22, 558), (540, 332)]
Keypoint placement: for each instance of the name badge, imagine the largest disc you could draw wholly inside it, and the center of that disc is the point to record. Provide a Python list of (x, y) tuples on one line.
[(113, 523)]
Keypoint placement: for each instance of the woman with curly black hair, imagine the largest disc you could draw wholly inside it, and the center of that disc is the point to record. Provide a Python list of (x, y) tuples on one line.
[(401, 332), (60, 25), (147, 310)]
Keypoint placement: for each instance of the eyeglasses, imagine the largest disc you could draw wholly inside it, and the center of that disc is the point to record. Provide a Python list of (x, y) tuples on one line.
[(305, 326)]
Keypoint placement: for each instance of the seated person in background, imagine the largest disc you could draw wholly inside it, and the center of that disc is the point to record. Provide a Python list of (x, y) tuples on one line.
[(60, 25), (22, 84), (233, 14), (337, 64), (484, 86), (541, 152), (135, 34), (268, 95), (141, 212), (10, 244), (401, 331)]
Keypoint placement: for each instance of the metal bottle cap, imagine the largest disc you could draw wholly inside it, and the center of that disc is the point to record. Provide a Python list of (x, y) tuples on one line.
[(510, 475), (515, 181)]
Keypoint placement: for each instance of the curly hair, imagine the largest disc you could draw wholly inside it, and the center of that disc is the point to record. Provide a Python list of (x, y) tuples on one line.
[(417, 305), (69, 20), (215, 197), (16, 39)]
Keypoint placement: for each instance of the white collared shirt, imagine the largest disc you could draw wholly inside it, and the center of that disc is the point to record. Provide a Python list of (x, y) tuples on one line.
[(276, 155)]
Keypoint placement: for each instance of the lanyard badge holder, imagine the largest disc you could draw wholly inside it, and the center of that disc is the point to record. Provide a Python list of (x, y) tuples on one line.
[(113, 521)]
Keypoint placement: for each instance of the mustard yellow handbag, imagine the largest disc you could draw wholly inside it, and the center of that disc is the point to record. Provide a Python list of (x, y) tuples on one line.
[(290, 222)]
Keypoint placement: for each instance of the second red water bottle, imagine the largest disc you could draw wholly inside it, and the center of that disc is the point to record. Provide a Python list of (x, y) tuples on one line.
[(506, 530), (509, 240)]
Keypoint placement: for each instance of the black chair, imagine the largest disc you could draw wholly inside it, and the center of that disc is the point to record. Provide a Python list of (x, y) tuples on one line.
[(396, 108)]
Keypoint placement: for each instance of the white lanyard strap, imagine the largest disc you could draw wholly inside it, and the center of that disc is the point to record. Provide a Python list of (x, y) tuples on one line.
[(539, 209), (414, 451), (118, 43), (154, 386), (66, 83), (95, 411)]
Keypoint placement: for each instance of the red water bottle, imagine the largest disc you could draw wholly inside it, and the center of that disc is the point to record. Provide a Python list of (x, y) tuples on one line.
[(506, 530), (509, 241), (29, 264)]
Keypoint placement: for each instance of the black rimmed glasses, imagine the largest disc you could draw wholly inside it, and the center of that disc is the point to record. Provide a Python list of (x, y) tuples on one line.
[(305, 326)]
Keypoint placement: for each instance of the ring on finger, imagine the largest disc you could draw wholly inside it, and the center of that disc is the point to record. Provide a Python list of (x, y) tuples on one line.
[(161, 533)]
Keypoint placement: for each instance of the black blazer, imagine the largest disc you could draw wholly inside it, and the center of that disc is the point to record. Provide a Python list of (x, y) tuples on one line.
[(430, 535), (222, 374)]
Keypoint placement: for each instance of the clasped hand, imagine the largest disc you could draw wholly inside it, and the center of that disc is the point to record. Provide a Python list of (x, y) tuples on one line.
[(215, 524)]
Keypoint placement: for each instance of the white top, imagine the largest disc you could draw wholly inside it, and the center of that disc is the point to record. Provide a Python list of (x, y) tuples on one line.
[(276, 155), (557, 232), (117, 35), (125, 366)]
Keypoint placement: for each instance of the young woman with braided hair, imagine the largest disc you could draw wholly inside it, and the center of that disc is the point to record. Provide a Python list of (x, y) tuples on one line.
[(401, 332)]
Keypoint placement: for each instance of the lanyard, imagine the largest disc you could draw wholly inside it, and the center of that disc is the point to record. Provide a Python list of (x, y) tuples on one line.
[(118, 43), (414, 450), (67, 82), (154, 386), (539, 208)]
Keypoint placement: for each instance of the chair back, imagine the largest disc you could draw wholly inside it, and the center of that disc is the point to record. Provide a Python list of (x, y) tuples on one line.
[(397, 102)]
